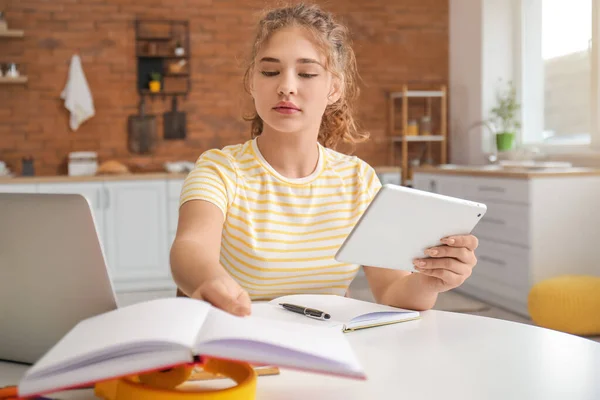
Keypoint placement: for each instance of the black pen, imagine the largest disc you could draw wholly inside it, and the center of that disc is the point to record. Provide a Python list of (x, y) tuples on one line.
[(309, 312)]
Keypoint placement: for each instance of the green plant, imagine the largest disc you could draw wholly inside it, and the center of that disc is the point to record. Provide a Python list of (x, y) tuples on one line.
[(505, 114), (155, 76)]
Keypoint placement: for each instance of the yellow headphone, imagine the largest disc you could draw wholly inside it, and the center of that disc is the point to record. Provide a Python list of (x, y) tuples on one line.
[(163, 385)]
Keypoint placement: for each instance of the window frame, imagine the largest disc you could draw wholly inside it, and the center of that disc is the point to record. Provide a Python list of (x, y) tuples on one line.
[(527, 45)]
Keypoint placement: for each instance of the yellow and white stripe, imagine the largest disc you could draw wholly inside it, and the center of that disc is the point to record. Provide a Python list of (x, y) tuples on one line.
[(280, 234)]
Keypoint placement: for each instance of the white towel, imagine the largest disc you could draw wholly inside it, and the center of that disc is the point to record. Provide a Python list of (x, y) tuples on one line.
[(77, 95)]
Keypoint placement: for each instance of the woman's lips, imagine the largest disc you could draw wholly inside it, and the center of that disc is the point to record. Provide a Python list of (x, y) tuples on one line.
[(286, 110)]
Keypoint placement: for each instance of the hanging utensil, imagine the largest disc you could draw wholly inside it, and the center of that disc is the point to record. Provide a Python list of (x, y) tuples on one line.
[(142, 131), (174, 122)]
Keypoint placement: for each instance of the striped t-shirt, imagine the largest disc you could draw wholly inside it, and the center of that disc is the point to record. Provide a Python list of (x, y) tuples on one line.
[(280, 235)]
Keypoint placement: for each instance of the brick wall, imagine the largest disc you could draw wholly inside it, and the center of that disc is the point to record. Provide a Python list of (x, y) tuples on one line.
[(396, 42)]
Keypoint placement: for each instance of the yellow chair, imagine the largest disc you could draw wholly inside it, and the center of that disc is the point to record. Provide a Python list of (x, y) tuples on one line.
[(568, 303)]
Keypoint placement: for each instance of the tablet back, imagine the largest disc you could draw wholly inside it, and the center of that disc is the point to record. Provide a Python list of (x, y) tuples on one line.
[(400, 223)]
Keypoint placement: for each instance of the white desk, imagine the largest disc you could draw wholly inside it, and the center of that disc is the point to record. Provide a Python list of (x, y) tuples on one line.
[(442, 356)]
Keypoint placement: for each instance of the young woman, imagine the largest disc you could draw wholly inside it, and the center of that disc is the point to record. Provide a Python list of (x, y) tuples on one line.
[(264, 218)]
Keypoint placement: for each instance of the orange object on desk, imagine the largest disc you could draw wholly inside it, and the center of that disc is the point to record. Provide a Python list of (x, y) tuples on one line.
[(12, 393), (8, 392)]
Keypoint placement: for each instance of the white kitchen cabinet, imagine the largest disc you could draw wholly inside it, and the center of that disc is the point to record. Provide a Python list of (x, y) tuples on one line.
[(18, 187), (136, 222), (136, 234), (174, 187), (94, 192), (536, 227), (448, 185)]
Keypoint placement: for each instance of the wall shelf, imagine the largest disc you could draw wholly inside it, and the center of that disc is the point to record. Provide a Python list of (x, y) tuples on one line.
[(418, 138), (418, 93), (154, 38), (12, 33), (17, 80), (156, 42), (166, 56), (147, 92), (176, 74)]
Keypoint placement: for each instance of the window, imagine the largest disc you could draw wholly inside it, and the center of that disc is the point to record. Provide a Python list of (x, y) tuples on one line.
[(558, 90)]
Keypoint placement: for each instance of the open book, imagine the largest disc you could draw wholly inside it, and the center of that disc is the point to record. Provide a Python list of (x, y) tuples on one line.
[(347, 314), (163, 333)]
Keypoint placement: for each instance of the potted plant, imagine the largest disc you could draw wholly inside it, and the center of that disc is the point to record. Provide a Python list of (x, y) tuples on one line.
[(505, 118), (154, 82)]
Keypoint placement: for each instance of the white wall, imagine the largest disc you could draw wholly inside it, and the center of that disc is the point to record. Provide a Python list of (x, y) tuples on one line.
[(465, 71), (480, 55), (498, 64), (531, 70)]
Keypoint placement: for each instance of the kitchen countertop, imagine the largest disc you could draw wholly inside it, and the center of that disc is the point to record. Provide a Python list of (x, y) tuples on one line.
[(461, 170), (96, 178), (135, 176), (494, 171)]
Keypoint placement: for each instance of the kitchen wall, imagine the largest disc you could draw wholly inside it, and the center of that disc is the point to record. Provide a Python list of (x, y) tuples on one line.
[(480, 55), (396, 42)]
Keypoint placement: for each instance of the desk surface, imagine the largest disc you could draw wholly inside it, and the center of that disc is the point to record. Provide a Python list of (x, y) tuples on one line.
[(442, 356)]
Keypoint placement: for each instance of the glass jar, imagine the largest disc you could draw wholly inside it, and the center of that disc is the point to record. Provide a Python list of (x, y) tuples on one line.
[(425, 125), (83, 163), (412, 128)]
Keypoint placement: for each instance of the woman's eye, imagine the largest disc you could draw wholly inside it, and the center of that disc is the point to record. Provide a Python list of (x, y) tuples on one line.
[(269, 73), (308, 75)]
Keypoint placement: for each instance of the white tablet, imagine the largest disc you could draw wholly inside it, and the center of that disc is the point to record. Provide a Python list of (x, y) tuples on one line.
[(400, 223)]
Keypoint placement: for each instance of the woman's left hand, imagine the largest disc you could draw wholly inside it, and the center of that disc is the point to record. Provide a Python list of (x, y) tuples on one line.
[(450, 264)]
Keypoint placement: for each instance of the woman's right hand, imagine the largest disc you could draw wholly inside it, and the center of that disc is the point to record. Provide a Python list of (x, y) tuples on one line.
[(225, 293)]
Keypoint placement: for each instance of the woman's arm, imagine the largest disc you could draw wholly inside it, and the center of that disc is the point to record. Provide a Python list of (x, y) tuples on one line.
[(448, 267), (400, 288), (195, 256)]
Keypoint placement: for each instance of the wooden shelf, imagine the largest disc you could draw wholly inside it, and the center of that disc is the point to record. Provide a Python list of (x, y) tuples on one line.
[(17, 80), (12, 33), (418, 138), (176, 74), (396, 133), (147, 92), (417, 93), (168, 56), (154, 42), (157, 38)]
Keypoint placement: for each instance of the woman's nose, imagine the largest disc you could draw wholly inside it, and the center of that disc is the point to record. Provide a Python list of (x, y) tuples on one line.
[(287, 85)]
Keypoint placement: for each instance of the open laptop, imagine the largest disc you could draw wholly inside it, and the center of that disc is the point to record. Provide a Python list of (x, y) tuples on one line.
[(53, 272)]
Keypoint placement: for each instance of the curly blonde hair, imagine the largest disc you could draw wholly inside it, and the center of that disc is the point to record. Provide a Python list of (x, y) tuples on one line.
[(332, 38)]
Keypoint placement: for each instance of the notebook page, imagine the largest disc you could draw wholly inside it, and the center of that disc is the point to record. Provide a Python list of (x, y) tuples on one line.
[(260, 340), (274, 311), (340, 308), (171, 322)]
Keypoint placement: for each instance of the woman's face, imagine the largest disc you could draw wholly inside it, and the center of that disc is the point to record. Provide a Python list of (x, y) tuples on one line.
[(290, 86)]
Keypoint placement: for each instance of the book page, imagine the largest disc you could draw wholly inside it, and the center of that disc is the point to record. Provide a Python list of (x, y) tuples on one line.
[(144, 327), (267, 341), (102, 370)]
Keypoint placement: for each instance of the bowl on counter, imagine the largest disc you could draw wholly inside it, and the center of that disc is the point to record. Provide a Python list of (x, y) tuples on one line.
[(179, 167)]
